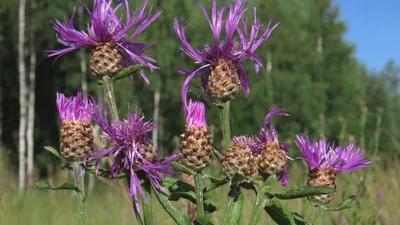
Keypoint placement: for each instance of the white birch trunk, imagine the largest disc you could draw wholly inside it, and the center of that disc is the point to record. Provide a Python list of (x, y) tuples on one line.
[(31, 105), (22, 96), (156, 114)]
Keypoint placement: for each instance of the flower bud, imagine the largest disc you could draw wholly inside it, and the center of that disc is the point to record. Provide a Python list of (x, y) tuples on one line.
[(76, 139), (105, 60), (273, 160), (196, 145), (224, 82), (318, 177)]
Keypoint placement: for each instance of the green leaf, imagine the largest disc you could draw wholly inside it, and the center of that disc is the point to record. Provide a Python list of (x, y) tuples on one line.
[(181, 168), (234, 211), (128, 71), (300, 220), (169, 182), (53, 151), (218, 155), (66, 186), (280, 213), (237, 178), (177, 215), (202, 221), (303, 192), (105, 173), (215, 183), (175, 196), (346, 204)]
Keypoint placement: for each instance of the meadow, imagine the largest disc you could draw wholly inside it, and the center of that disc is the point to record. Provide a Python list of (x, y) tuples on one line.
[(108, 202)]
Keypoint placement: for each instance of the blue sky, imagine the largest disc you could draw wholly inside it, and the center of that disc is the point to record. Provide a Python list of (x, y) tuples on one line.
[(374, 26)]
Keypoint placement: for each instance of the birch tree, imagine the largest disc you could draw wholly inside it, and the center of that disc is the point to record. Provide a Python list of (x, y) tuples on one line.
[(31, 103), (22, 96)]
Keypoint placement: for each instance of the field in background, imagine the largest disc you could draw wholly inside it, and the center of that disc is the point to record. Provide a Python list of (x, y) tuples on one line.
[(109, 204)]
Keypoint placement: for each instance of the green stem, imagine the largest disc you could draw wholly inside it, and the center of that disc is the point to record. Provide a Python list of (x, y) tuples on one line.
[(199, 194), (80, 182), (147, 208), (319, 212), (110, 97), (225, 111), (259, 205), (235, 207)]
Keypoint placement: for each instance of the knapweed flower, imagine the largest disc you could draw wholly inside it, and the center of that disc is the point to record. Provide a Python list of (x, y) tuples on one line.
[(132, 150), (196, 145), (76, 140), (239, 157), (259, 157), (222, 74), (107, 36), (272, 155), (325, 160)]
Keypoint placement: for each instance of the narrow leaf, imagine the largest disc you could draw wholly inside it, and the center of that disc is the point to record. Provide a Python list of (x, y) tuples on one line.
[(346, 204), (128, 71), (300, 220), (175, 196), (237, 178), (105, 173), (234, 211), (177, 215), (280, 213), (202, 221), (215, 183), (181, 168), (169, 182), (303, 192), (53, 151), (66, 186)]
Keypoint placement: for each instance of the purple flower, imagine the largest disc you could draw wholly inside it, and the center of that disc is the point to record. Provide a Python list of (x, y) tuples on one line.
[(321, 155), (196, 114), (133, 151), (75, 108), (107, 27), (233, 49)]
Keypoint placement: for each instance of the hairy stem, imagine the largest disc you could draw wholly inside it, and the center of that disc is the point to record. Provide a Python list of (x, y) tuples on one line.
[(147, 207), (199, 195), (110, 97), (235, 206), (80, 182), (225, 116), (319, 212), (259, 205)]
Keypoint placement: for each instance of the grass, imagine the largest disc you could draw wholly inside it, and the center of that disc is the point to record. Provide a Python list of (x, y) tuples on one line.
[(108, 203)]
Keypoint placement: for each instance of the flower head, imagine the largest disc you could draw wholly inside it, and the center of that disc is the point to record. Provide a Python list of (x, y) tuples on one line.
[(133, 150), (107, 35), (321, 155), (221, 70), (76, 139), (196, 145), (273, 156)]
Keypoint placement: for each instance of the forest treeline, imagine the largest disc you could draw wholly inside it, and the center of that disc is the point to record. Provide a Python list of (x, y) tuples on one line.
[(309, 69)]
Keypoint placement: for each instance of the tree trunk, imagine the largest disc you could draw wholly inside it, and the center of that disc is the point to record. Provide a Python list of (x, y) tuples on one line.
[(31, 104), (22, 96), (156, 113)]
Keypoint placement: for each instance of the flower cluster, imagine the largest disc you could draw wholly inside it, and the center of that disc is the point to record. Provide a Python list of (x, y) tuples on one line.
[(221, 71), (107, 35), (258, 157)]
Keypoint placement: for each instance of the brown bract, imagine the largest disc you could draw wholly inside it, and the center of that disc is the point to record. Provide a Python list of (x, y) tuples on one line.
[(196, 147), (318, 177), (224, 82), (105, 61), (76, 141)]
